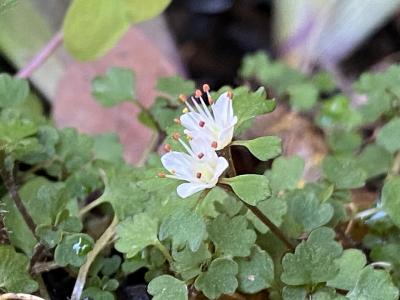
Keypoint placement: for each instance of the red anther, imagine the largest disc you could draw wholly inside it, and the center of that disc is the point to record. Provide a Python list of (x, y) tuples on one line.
[(202, 123), (161, 175), (177, 121), (210, 100), (197, 93), (176, 136), (214, 145), (182, 98), (200, 155), (230, 94), (206, 88), (167, 147), (198, 175)]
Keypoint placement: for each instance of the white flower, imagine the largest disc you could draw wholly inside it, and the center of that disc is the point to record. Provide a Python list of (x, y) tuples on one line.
[(215, 126), (200, 167)]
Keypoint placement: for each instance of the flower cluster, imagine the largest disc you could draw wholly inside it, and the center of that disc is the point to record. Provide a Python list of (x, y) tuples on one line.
[(209, 128)]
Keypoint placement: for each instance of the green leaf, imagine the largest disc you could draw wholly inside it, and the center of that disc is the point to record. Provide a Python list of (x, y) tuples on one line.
[(381, 90), (136, 233), (344, 172), (375, 160), (108, 148), (73, 249), (175, 86), (389, 135), (92, 27), (307, 211), (337, 113), (247, 105), (303, 96), (111, 265), (373, 285), (285, 173), (219, 278), (324, 82), (43, 200), (294, 293), (13, 272), (251, 188), (74, 150), (231, 236), (184, 227), (188, 264), (274, 208), (256, 272), (344, 142), (163, 112), (14, 130), (13, 91), (314, 260), (97, 293), (139, 11), (166, 287), (264, 148), (350, 264), (391, 199), (115, 86)]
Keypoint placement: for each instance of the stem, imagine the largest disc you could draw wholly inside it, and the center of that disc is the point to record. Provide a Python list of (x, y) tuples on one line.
[(274, 229), (150, 148), (395, 170), (100, 244), (90, 206), (44, 267), (254, 209), (12, 189), (41, 56), (164, 251), (12, 296)]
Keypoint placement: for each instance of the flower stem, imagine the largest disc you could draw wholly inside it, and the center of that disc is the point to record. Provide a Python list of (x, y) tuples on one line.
[(267, 222), (164, 251), (41, 57), (254, 209)]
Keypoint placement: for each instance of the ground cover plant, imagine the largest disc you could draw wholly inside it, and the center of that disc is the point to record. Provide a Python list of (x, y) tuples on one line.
[(219, 207), (189, 218)]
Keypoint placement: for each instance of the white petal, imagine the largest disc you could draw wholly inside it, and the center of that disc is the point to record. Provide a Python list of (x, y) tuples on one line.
[(225, 137), (179, 162), (185, 190), (222, 110), (222, 165), (200, 144), (191, 121)]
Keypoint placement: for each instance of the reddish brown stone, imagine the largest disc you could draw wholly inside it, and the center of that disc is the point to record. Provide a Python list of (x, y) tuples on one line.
[(75, 107)]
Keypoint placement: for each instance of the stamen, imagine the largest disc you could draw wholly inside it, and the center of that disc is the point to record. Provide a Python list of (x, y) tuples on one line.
[(173, 171), (230, 94), (176, 136), (206, 88), (167, 147), (202, 123), (161, 175), (198, 175), (189, 137), (200, 155), (210, 100), (182, 98), (177, 121), (185, 110), (214, 145), (197, 93)]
